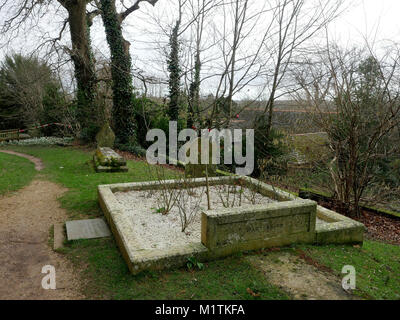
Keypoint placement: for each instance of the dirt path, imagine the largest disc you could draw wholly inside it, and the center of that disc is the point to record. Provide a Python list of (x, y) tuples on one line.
[(25, 220), (299, 279)]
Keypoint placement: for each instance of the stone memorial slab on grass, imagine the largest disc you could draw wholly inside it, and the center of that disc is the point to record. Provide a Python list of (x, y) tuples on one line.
[(107, 160), (87, 229)]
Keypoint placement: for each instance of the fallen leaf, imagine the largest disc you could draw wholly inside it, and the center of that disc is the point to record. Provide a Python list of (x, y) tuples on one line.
[(251, 292), (181, 292)]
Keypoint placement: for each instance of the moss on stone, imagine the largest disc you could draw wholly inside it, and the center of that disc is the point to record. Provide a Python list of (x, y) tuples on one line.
[(105, 137)]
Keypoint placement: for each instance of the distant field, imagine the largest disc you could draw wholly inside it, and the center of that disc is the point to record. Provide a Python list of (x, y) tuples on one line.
[(289, 116), (288, 111)]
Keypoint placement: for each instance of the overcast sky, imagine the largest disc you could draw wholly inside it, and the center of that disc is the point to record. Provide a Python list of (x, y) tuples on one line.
[(377, 20)]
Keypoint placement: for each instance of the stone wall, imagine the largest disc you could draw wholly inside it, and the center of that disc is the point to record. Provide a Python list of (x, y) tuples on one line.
[(251, 227)]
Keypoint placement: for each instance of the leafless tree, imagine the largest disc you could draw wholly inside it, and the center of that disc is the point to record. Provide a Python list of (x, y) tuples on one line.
[(293, 24), (362, 90), (29, 13), (255, 46)]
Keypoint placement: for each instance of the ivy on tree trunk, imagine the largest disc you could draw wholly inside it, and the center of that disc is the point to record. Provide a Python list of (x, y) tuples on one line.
[(123, 113), (174, 74), (194, 95), (83, 60)]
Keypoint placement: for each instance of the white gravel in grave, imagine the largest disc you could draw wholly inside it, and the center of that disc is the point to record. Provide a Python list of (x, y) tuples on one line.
[(157, 231)]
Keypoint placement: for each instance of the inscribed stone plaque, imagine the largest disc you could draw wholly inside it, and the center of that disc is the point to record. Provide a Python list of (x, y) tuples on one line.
[(258, 223), (87, 229)]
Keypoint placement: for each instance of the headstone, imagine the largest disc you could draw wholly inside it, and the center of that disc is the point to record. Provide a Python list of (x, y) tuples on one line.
[(107, 160), (105, 137), (87, 229), (199, 170)]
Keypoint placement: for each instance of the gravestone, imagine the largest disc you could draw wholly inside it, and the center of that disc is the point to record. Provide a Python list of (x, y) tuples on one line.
[(199, 170), (107, 160), (105, 137), (87, 229)]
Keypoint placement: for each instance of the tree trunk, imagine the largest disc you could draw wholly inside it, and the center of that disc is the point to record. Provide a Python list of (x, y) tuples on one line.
[(85, 74), (194, 94), (123, 113), (174, 74)]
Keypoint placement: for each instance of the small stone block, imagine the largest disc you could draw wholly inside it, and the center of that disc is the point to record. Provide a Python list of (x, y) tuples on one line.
[(58, 236), (87, 229)]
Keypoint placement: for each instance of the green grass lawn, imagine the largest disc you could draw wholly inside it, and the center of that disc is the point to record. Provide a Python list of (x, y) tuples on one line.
[(220, 280), (73, 169), (377, 264), (15, 173), (312, 147), (103, 266), (377, 267)]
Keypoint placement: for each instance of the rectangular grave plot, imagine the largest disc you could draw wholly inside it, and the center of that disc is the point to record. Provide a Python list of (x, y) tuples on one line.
[(290, 221), (235, 226)]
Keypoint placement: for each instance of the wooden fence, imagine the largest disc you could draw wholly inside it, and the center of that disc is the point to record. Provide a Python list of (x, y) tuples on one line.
[(9, 135)]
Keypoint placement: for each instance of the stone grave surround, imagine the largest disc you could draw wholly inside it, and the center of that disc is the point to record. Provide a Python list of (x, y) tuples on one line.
[(107, 160), (228, 231)]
